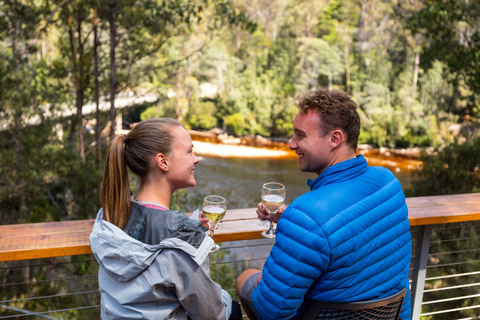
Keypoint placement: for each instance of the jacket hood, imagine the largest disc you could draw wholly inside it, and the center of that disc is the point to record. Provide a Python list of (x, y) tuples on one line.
[(124, 257)]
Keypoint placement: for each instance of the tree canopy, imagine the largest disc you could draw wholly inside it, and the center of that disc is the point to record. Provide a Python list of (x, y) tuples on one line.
[(67, 68)]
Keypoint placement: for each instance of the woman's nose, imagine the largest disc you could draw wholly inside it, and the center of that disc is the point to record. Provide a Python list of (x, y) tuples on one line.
[(292, 145)]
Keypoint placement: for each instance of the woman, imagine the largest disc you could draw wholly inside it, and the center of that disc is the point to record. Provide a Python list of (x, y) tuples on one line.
[(154, 261)]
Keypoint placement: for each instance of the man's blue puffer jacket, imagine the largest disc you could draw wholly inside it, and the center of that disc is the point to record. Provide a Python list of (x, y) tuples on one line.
[(348, 239)]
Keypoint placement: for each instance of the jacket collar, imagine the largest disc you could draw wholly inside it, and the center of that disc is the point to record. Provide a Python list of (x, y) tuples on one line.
[(342, 171)]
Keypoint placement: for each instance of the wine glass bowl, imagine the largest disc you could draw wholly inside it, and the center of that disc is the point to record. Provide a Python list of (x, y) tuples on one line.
[(273, 196), (214, 208)]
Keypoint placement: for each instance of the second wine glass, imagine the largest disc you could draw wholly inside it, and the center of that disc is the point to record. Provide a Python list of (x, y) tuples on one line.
[(214, 208), (273, 196)]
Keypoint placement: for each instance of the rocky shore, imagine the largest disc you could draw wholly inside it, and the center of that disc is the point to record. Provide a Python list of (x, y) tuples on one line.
[(219, 144)]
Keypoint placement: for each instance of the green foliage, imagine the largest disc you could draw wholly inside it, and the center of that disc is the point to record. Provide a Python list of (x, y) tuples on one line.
[(226, 273), (453, 36), (420, 132), (203, 116), (52, 278), (186, 200), (257, 57), (318, 58), (450, 170), (283, 120), (436, 88), (237, 124), (165, 108)]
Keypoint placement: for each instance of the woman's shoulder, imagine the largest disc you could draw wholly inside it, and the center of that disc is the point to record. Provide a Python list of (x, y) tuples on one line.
[(151, 225)]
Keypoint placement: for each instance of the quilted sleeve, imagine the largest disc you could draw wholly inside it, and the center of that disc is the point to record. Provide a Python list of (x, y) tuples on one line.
[(300, 255)]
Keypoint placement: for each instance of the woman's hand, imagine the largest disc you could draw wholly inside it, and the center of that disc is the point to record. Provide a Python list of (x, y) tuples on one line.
[(263, 214), (203, 220)]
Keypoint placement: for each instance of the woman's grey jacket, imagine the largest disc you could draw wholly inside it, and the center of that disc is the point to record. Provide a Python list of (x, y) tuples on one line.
[(156, 268)]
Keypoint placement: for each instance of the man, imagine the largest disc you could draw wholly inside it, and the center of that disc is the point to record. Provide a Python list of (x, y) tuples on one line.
[(348, 239)]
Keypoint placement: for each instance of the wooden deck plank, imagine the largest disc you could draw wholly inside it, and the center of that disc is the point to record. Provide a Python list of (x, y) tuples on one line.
[(453, 199), (443, 209), (45, 227), (64, 238)]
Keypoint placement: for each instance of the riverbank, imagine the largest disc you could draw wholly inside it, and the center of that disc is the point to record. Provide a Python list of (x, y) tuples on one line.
[(220, 150), (219, 144)]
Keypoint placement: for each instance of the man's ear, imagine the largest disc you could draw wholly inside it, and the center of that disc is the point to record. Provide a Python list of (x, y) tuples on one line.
[(162, 162), (336, 138)]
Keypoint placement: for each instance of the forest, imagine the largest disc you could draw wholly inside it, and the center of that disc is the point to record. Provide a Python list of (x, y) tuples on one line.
[(413, 67), (66, 66)]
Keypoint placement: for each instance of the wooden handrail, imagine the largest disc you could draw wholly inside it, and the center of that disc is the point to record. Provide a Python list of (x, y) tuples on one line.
[(65, 238)]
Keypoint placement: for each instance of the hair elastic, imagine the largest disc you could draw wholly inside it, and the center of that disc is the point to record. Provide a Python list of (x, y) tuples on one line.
[(126, 140)]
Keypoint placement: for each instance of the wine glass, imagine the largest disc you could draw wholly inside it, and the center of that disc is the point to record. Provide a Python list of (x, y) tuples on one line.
[(273, 196), (214, 208)]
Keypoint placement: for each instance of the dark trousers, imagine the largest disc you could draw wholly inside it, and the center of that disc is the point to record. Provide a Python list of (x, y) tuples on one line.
[(236, 311)]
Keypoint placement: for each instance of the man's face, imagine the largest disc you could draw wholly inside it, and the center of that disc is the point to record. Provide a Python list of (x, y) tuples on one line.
[(312, 148)]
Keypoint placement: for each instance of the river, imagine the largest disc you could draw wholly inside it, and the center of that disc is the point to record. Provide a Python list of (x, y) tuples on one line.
[(238, 173), (240, 180)]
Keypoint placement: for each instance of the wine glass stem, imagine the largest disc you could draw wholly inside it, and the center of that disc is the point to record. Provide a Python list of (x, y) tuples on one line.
[(272, 216), (211, 232)]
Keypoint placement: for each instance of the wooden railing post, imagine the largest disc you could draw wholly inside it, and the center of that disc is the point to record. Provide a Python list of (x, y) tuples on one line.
[(420, 269)]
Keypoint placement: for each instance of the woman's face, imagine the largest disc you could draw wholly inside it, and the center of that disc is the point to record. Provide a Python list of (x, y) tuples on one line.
[(182, 160)]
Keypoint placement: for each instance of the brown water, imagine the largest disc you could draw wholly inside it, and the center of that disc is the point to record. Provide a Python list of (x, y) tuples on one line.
[(240, 180)]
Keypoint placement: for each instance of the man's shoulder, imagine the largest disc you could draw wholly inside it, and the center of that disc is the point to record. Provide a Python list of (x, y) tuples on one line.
[(377, 170), (332, 198), (319, 204)]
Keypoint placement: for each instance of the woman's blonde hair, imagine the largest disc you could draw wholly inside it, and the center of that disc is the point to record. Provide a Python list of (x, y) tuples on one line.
[(134, 150)]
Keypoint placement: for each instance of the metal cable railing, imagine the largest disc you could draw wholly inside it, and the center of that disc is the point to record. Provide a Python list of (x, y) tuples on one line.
[(43, 281), (57, 288), (43, 313), (67, 288), (453, 273)]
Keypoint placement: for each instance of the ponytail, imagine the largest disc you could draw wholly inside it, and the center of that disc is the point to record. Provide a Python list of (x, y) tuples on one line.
[(134, 150), (115, 191)]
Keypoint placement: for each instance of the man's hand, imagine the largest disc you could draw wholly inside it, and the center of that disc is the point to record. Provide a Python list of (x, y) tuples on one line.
[(263, 214)]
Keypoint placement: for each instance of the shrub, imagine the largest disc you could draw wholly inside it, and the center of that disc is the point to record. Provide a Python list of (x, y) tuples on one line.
[(451, 170), (237, 124)]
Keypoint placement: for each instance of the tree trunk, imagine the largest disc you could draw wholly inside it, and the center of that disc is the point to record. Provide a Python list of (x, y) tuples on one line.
[(18, 169), (330, 78), (239, 40), (308, 28), (362, 31), (113, 67), (268, 12), (98, 126), (80, 79), (178, 109), (417, 64), (79, 92), (83, 80), (347, 67)]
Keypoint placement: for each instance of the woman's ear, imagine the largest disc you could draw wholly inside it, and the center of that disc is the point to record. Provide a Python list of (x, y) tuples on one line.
[(162, 161)]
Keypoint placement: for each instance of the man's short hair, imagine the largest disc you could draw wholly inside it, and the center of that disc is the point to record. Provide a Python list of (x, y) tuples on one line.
[(336, 110)]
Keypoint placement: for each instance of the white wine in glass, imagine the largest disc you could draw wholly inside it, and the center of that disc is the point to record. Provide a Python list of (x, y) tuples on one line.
[(273, 196), (214, 208)]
